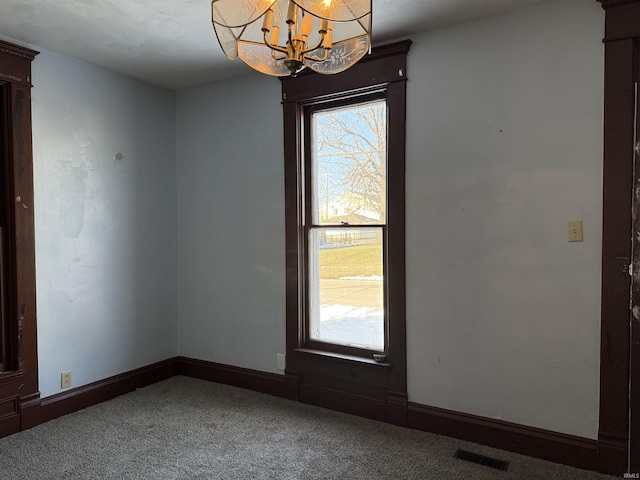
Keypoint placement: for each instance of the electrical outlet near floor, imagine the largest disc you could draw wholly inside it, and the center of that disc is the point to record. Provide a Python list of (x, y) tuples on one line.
[(65, 379), (281, 360)]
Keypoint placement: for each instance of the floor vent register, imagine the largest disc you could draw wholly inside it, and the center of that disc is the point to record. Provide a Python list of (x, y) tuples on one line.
[(481, 460)]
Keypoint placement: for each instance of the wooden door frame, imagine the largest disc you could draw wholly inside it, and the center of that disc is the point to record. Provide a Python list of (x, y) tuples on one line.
[(19, 395), (622, 31), (634, 363)]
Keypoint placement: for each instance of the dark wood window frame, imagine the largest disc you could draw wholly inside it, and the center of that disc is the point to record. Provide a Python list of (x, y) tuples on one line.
[(361, 97), (19, 395), (336, 377)]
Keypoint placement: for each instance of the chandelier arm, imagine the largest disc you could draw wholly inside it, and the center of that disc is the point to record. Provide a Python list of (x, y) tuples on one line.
[(319, 44), (314, 59), (277, 59), (276, 48)]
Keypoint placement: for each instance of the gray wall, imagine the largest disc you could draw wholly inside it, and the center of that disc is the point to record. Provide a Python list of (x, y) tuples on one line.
[(231, 222), (504, 146), (106, 229)]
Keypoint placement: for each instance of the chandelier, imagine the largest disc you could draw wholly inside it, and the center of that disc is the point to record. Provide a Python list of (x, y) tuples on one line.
[(282, 37)]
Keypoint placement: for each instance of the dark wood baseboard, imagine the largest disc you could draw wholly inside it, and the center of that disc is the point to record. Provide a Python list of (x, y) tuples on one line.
[(9, 416), (556, 447), (612, 453), (534, 442), (362, 400), (363, 406), (263, 382), (103, 390), (30, 411)]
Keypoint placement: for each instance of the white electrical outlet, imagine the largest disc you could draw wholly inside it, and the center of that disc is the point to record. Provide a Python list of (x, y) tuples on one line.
[(65, 379), (281, 361)]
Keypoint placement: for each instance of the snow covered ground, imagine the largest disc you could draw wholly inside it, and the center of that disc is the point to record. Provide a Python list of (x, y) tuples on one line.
[(348, 325)]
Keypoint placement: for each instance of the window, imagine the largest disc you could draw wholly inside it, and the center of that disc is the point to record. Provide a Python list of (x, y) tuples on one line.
[(346, 161), (344, 188)]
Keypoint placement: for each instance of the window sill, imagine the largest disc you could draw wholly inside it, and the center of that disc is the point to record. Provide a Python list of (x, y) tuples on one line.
[(341, 357)]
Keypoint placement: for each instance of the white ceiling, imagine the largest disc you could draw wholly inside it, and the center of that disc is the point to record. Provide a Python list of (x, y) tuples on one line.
[(171, 43)]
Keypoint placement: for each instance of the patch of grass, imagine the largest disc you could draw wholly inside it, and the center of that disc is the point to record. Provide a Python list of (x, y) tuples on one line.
[(356, 261)]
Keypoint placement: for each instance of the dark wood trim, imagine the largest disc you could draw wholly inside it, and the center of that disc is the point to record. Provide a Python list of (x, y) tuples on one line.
[(30, 411), (97, 392), (634, 364), (616, 252), (19, 379), (396, 256), (622, 29), (9, 415), (336, 381), (294, 258), (362, 97), (616, 3), (24, 239), (16, 63), (621, 21), (357, 386), (556, 447), (362, 399), (270, 383)]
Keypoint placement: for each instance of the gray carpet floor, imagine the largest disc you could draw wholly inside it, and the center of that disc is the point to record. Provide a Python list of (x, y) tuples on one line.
[(184, 428)]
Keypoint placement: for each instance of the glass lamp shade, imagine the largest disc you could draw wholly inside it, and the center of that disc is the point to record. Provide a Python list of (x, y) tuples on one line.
[(239, 27), (237, 13), (336, 11)]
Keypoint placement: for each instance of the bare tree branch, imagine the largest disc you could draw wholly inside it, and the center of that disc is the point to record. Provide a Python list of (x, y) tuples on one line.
[(357, 138)]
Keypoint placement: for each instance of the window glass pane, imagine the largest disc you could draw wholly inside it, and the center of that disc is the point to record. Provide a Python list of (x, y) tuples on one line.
[(349, 159), (346, 295)]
